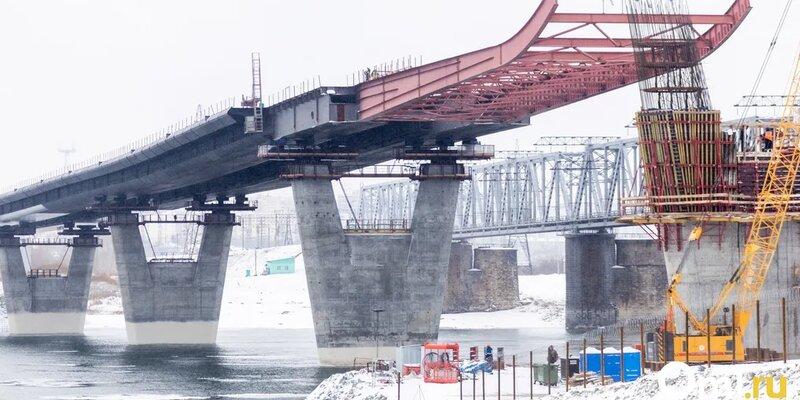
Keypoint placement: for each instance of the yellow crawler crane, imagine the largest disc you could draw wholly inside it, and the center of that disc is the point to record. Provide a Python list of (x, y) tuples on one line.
[(748, 279)]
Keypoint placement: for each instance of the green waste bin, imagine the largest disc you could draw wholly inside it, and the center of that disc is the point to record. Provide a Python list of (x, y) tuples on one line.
[(540, 372)]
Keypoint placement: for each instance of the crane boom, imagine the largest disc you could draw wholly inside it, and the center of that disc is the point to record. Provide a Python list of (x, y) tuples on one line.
[(770, 213)]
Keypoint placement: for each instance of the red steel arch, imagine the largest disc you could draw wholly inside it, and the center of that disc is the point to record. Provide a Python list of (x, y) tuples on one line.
[(527, 74)]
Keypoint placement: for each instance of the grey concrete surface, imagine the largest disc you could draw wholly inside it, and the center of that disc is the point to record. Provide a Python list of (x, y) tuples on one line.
[(713, 262), (483, 279), (170, 292), (589, 256), (639, 280), (350, 275), (66, 294)]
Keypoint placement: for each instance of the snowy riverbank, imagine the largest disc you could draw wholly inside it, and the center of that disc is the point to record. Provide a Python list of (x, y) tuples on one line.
[(675, 382)]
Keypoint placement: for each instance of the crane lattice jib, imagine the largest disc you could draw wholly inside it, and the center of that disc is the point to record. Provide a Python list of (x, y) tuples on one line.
[(770, 213)]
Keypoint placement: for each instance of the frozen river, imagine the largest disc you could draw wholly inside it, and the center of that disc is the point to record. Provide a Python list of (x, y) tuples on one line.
[(245, 364)]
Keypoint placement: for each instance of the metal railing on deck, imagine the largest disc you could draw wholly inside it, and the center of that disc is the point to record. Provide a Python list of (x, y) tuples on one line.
[(188, 123)]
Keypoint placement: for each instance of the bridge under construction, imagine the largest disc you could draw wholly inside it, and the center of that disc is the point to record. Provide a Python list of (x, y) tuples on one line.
[(432, 114)]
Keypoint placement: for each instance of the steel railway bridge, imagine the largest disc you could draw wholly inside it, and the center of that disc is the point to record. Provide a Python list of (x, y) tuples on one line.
[(553, 192)]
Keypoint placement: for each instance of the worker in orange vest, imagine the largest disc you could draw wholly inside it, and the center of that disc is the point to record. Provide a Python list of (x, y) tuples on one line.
[(769, 135)]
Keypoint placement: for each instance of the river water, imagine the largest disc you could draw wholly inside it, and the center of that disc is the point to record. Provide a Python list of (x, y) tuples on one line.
[(245, 364)]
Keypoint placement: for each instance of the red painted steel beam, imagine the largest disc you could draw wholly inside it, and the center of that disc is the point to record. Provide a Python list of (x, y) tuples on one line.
[(386, 93), (583, 42), (523, 76), (697, 19), (577, 57)]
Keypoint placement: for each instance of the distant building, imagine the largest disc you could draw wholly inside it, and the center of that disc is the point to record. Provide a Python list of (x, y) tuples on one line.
[(281, 261)]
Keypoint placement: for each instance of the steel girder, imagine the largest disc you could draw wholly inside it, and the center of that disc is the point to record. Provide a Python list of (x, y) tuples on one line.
[(554, 192), (530, 73)]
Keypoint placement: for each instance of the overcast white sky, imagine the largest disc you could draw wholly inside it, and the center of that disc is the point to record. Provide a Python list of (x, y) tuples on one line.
[(97, 74)]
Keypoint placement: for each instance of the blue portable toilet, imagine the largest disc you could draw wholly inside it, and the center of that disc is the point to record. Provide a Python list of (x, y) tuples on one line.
[(633, 363), (590, 361), (611, 359), (611, 364)]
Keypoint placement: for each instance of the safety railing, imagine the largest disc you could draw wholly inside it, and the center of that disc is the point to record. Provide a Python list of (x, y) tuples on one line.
[(466, 152), (43, 273), (45, 241), (377, 225), (170, 219), (172, 257), (199, 118), (713, 201), (381, 171), (384, 69)]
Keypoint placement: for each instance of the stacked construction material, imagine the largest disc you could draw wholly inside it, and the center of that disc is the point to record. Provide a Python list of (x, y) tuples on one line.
[(689, 163)]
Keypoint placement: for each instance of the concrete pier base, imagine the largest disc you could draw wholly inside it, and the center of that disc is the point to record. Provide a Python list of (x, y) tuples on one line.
[(589, 256), (46, 306), (350, 275), (489, 283), (713, 261), (170, 332), (46, 323), (639, 280), (171, 302)]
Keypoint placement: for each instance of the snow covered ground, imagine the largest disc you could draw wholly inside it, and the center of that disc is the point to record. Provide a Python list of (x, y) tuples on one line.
[(542, 305), (281, 301), (264, 301), (675, 382)]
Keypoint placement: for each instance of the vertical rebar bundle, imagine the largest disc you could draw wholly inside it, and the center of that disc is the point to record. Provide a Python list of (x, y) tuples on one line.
[(688, 160), (667, 60)]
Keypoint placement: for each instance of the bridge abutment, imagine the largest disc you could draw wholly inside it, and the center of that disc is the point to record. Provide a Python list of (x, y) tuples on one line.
[(45, 302), (354, 273), (589, 257), (172, 301)]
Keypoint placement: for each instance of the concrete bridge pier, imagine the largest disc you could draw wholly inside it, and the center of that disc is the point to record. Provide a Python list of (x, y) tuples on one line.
[(589, 257), (172, 301), (638, 280), (47, 302), (374, 265)]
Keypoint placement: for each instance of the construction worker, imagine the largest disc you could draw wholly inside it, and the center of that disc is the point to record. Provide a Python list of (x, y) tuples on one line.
[(552, 355), (769, 135)]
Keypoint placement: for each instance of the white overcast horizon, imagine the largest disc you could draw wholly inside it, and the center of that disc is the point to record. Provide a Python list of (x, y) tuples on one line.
[(98, 74)]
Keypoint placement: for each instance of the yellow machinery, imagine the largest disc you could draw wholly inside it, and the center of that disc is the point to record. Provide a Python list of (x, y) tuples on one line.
[(748, 279)]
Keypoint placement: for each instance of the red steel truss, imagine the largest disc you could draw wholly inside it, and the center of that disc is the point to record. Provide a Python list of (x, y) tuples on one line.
[(528, 74)]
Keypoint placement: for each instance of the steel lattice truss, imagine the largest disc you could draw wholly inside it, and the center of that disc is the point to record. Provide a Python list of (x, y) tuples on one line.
[(555, 192), (530, 73)]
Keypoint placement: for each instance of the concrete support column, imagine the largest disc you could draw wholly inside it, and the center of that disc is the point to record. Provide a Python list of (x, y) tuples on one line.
[(172, 302), (456, 298), (589, 256), (489, 283), (52, 305), (639, 280), (351, 275)]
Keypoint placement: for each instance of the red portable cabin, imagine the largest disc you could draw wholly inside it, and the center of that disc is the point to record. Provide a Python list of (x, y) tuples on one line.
[(440, 362)]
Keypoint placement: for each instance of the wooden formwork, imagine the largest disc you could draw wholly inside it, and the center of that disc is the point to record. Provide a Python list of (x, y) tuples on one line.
[(685, 153)]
